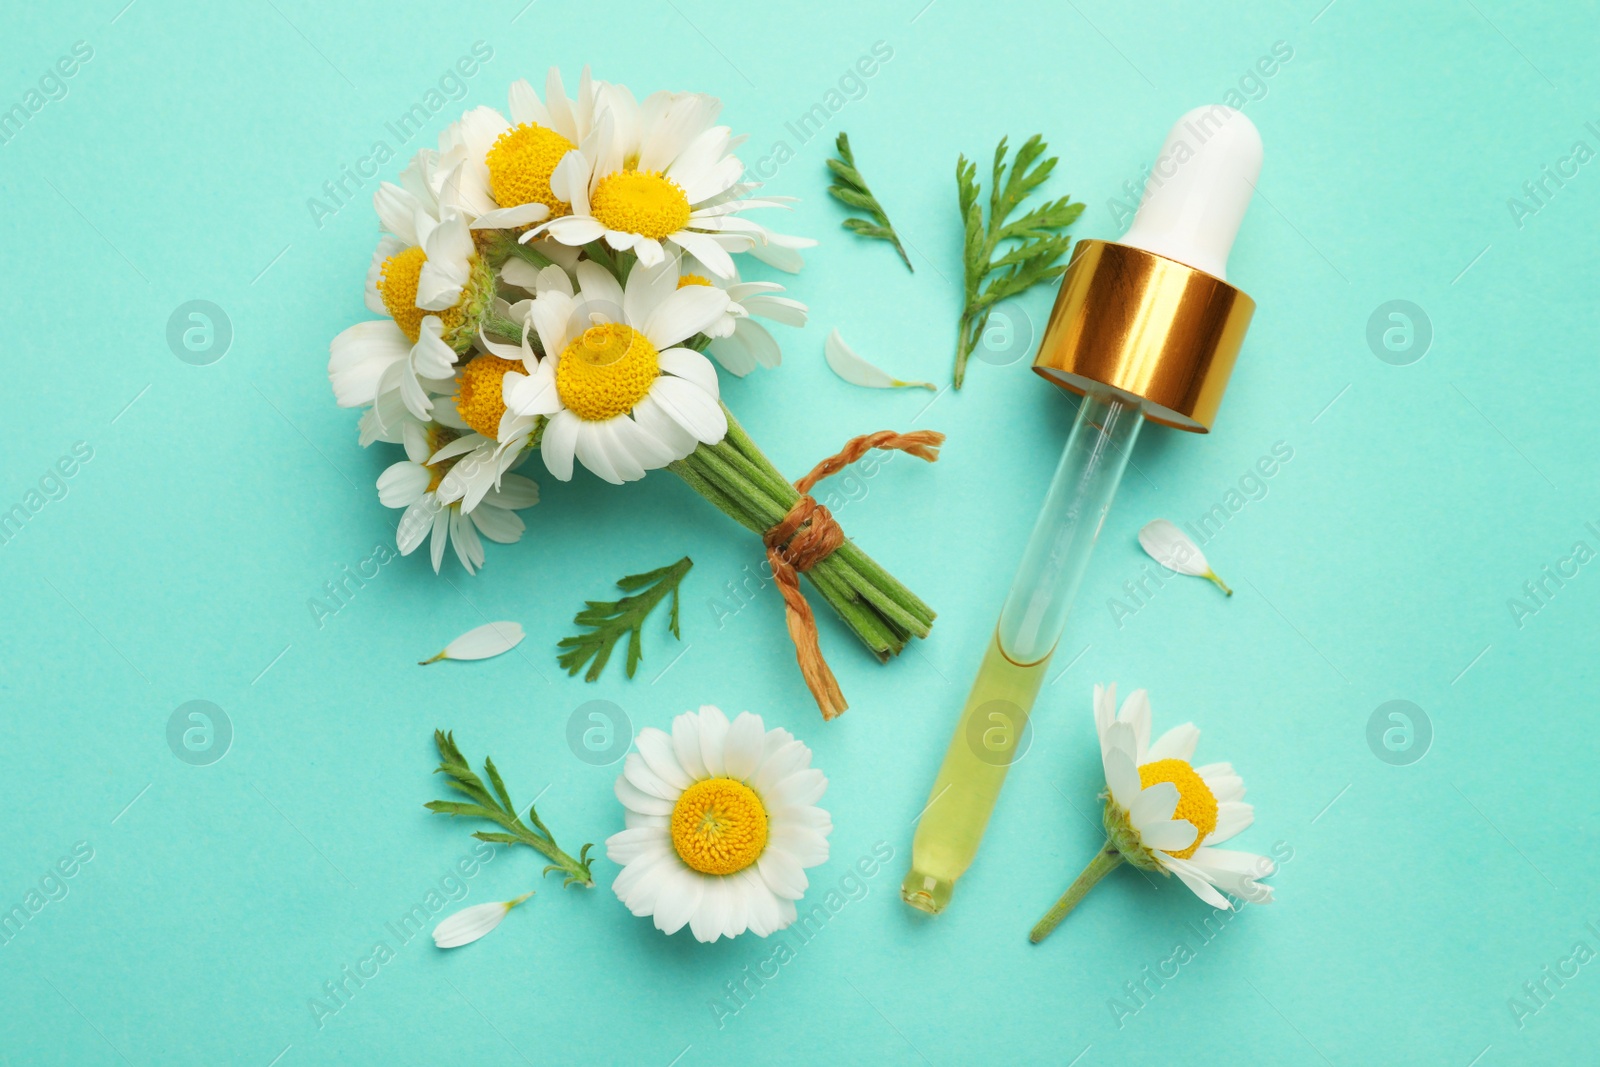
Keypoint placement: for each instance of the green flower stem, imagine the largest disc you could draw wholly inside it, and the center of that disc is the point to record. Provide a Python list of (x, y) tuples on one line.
[(503, 245), (881, 599), (760, 507), (882, 579), (1105, 861), (576, 871), (602, 254), (907, 609), (710, 473), (511, 331), (868, 625), (725, 504), (741, 442), (740, 481), (529, 254)]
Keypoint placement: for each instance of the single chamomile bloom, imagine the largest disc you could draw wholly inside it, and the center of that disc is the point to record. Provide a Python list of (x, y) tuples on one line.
[(504, 167), (428, 278), (493, 438), (721, 825), (413, 484), (654, 174), (1164, 815), (375, 363), (619, 392), (738, 341), (428, 228)]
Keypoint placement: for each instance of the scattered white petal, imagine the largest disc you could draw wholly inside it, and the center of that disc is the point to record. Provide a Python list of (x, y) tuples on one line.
[(1173, 549), (469, 924), (857, 371), (490, 639)]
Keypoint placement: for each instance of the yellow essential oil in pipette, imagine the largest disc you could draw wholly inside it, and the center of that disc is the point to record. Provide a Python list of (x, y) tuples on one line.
[(994, 721), (993, 724)]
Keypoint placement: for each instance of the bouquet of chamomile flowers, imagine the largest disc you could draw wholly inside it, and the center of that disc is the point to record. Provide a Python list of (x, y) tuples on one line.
[(553, 283)]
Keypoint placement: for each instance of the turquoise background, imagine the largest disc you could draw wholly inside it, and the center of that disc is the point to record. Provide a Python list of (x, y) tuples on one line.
[(1416, 899)]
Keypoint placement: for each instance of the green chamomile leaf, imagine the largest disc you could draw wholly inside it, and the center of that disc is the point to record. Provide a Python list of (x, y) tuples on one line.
[(612, 619), (497, 808), (1033, 254), (851, 189)]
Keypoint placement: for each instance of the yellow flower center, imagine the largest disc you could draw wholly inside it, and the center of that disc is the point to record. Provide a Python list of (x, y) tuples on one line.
[(719, 826), (693, 279), (1196, 804), (397, 284), (606, 371), (520, 163), (479, 400), (645, 202)]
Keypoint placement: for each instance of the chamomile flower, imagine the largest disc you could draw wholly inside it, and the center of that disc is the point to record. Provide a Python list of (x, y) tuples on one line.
[(503, 168), (656, 173), (427, 277), (414, 483), (1164, 815), (721, 826), (431, 240), (375, 363), (738, 342), (493, 438), (618, 391)]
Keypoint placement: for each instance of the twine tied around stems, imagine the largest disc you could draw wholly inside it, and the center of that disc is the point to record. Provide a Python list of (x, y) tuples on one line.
[(807, 535)]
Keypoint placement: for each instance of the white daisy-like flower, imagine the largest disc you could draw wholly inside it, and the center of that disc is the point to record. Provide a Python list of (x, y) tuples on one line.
[(619, 393), (375, 363), (738, 341), (1164, 815), (655, 173), (427, 277), (501, 169), (494, 438), (721, 825), (414, 483), (435, 231), (1177, 812)]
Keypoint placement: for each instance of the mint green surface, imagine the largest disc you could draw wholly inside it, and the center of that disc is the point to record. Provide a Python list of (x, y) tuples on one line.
[(1378, 565)]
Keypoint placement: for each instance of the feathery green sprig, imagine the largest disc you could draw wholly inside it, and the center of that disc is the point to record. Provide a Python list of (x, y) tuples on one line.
[(497, 808), (1035, 256), (612, 619), (852, 189)]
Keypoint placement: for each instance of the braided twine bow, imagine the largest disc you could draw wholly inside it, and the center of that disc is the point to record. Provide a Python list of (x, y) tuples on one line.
[(807, 535)]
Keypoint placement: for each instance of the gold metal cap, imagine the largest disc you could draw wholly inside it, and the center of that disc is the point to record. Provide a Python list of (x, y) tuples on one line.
[(1148, 327)]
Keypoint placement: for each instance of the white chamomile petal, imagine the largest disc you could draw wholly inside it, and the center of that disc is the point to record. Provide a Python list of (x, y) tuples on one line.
[(687, 363), (857, 371), (469, 924), (402, 484), (1155, 805), (1174, 550), (482, 642), (1177, 743)]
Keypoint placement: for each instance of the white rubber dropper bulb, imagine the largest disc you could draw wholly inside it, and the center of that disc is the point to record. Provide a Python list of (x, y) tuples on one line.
[(1198, 189)]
